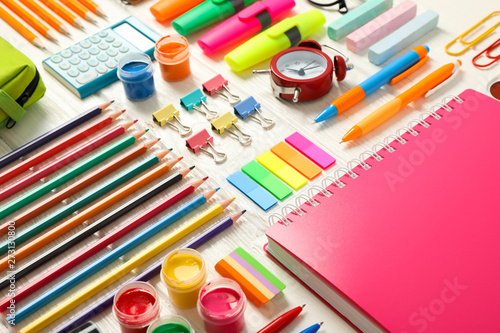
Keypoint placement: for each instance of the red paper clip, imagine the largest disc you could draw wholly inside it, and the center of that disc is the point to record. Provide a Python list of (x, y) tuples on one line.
[(488, 55)]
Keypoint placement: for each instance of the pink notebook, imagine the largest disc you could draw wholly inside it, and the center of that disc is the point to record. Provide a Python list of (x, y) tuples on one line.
[(411, 244)]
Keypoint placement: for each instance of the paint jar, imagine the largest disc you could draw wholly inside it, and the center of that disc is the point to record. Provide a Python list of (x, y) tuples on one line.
[(171, 324), (183, 271), (222, 304), (136, 305), (172, 53), (135, 70)]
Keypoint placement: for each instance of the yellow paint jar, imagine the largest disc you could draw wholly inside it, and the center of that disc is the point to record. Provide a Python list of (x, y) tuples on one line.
[(184, 273)]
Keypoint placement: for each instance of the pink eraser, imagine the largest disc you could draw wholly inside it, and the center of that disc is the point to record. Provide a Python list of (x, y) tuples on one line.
[(381, 26), (310, 150)]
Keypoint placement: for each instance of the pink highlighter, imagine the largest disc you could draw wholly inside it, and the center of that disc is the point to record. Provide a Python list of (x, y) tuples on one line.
[(243, 25)]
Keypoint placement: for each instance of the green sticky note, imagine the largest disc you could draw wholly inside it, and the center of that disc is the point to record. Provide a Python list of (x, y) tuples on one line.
[(267, 180), (260, 268)]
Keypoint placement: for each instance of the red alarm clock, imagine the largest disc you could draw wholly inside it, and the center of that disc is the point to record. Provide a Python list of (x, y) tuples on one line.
[(305, 72)]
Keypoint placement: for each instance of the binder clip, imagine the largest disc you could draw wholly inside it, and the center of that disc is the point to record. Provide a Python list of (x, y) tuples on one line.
[(197, 100), (224, 123), (166, 115), (202, 139), (251, 108), (218, 85)]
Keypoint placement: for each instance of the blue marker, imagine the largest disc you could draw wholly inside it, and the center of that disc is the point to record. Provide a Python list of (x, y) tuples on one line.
[(312, 329), (404, 66)]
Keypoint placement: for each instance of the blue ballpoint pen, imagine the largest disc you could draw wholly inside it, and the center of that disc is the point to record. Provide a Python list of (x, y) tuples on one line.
[(396, 70), (312, 329)]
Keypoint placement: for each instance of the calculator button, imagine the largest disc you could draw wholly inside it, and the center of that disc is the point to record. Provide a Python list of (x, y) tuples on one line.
[(66, 54), (84, 55), (112, 52), (95, 39), (83, 67), (93, 62), (110, 39), (64, 66), (101, 69), (111, 63), (73, 72), (87, 77), (74, 61), (56, 59), (102, 57), (103, 34), (85, 44), (75, 49), (123, 49), (103, 46), (94, 51), (117, 43)]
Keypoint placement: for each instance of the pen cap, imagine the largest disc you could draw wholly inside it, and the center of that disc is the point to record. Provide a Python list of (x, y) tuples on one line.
[(208, 12), (167, 9), (279, 37)]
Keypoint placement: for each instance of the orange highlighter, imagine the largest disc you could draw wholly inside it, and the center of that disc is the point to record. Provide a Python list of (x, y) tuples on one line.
[(429, 85), (169, 9)]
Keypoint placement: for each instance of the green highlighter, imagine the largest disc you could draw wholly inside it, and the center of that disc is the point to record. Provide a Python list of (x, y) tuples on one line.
[(267, 180), (207, 13)]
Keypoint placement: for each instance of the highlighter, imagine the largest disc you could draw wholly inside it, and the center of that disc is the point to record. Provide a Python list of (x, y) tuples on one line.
[(168, 9), (289, 32), (207, 13), (243, 25)]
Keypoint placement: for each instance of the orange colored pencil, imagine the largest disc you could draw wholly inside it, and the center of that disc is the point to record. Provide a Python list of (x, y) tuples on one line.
[(78, 9), (30, 19), (90, 212), (46, 16), (20, 28), (93, 7), (63, 13)]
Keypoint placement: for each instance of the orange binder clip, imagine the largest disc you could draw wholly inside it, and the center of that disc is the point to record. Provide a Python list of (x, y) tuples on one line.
[(487, 54)]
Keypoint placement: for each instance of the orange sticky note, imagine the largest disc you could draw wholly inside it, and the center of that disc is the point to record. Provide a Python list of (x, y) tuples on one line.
[(296, 160)]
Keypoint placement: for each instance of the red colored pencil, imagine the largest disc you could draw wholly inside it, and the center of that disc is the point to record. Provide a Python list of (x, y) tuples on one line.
[(58, 147), (77, 186), (64, 160), (282, 321)]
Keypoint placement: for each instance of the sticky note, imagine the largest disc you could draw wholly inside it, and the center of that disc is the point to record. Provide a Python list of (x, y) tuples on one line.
[(403, 37), (296, 160), (282, 170), (252, 190), (310, 150), (267, 180), (381, 26), (256, 281), (357, 17)]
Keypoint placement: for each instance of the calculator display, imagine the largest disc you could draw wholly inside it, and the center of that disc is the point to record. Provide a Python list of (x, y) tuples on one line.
[(134, 36)]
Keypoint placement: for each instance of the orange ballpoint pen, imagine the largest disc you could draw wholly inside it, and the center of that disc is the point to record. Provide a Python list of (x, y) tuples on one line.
[(46, 16), (20, 28), (429, 85)]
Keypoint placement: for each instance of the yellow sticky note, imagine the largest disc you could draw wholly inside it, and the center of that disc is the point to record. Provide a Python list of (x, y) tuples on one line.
[(282, 170)]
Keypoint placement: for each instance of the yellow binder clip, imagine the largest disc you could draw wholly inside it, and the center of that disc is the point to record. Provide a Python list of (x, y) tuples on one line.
[(225, 122), (470, 44), (166, 116)]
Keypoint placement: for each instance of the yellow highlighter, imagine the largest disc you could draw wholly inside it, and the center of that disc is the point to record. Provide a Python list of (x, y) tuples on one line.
[(287, 33)]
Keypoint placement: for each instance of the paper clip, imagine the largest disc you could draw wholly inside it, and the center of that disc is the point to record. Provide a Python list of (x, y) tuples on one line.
[(195, 100), (166, 115), (217, 85), (488, 55), (247, 108), (470, 44), (224, 123), (202, 139)]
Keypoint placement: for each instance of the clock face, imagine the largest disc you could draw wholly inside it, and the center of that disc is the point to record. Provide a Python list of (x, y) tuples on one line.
[(301, 65)]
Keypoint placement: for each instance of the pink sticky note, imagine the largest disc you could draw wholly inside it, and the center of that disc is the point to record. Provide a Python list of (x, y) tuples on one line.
[(310, 150)]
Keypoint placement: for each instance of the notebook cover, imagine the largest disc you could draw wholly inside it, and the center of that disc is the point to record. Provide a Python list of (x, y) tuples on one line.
[(413, 241)]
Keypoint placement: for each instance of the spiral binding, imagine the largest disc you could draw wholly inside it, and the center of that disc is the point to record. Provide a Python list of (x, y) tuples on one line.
[(348, 171)]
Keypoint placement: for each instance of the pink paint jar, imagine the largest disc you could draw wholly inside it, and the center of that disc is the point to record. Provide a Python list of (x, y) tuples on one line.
[(221, 304), (135, 306)]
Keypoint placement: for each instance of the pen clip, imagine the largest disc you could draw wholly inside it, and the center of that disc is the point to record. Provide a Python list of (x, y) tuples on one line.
[(409, 71), (453, 75)]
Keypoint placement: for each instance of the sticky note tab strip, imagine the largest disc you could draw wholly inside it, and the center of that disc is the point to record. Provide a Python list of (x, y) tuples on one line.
[(257, 282), (296, 160), (309, 149), (252, 190), (282, 170), (267, 180)]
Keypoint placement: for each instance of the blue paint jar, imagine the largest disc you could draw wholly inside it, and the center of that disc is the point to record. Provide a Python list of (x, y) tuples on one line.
[(135, 70)]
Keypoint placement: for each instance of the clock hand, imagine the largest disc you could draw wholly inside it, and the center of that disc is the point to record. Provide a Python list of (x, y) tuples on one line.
[(305, 69), (312, 62)]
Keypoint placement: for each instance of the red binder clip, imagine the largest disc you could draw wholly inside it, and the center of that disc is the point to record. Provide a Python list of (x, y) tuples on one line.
[(202, 139), (218, 85), (488, 55)]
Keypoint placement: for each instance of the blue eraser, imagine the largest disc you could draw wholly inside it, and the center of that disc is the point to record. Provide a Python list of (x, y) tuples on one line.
[(357, 17), (252, 190), (403, 37)]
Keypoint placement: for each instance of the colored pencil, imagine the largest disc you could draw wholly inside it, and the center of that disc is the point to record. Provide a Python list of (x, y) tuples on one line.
[(107, 301), (30, 19), (52, 134), (78, 9), (69, 174), (64, 160), (93, 7), (90, 212), (20, 28), (46, 16), (95, 266), (101, 244), (57, 147), (74, 188)]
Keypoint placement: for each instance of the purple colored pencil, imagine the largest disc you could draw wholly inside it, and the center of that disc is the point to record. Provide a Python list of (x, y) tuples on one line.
[(151, 272)]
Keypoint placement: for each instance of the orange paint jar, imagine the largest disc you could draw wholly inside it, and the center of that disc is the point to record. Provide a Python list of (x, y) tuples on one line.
[(172, 53)]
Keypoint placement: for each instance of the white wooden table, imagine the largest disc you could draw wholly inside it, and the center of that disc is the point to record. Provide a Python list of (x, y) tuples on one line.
[(59, 105)]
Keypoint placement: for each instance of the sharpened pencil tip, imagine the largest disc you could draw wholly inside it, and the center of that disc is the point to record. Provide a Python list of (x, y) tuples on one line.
[(303, 306), (170, 149), (146, 130), (122, 110), (217, 189), (136, 121), (112, 101), (191, 168), (205, 178), (180, 158), (341, 142), (243, 211)]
